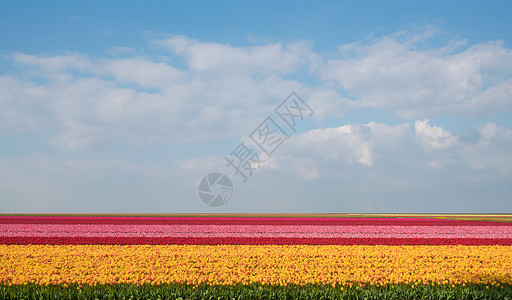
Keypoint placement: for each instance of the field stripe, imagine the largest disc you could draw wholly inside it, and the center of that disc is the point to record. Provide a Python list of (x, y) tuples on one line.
[(27, 240), (234, 230), (254, 231)]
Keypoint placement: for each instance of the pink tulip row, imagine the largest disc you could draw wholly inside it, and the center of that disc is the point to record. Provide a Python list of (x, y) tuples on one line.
[(255, 231)]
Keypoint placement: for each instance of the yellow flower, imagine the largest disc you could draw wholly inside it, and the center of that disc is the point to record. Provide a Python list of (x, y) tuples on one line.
[(245, 264)]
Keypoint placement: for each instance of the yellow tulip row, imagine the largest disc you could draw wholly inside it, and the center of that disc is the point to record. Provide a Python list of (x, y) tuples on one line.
[(245, 264)]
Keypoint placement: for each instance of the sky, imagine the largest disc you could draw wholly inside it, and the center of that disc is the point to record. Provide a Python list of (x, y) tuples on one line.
[(302, 106)]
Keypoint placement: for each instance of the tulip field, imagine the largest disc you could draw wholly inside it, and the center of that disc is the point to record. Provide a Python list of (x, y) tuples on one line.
[(336, 256)]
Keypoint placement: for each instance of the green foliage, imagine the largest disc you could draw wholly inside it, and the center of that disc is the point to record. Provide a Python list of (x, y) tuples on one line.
[(253, 291)]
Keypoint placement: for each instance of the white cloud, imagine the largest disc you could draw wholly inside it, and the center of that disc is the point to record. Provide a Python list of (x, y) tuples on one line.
[(403, 175), (57, 63), (305, 156), (351, 143), (328, 103), (224, 58), (491, 153), (433, 137), (79, 101), (96, 100), (494, 134), (25, 106), (394, 73), (143, 72), (225, 90), (381, 151), (385, 150)]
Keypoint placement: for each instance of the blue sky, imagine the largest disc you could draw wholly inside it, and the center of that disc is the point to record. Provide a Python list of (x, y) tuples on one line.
[(124, 107)]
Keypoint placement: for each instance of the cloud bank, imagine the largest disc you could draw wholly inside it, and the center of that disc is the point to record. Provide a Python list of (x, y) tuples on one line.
[(201, 92)]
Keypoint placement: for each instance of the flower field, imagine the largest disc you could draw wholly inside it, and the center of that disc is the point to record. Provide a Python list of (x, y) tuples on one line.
[(88, 257)]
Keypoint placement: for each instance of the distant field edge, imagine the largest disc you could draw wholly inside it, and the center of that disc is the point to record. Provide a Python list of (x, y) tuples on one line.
[(276, 215)]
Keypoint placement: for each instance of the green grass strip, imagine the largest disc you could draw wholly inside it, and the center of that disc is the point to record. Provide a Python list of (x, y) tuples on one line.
[(254, 291)]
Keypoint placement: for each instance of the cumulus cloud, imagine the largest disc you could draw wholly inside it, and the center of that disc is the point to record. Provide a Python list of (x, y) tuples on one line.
[(385, 150), (433, 137), (57, 63), (395, 73), (329, 103), (224, 90), (81, 102), (222, 58), (143, 72), (390, 168), (351, 143), (89, 100)]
